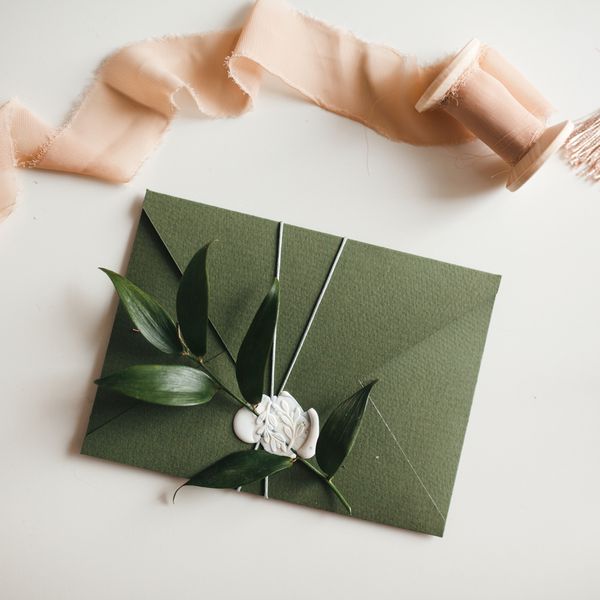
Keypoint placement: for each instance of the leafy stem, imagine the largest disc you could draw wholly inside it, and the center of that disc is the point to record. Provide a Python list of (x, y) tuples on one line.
[(178, 385)]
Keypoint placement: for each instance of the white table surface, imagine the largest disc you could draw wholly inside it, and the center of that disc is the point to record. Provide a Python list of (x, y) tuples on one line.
[(524, 517)]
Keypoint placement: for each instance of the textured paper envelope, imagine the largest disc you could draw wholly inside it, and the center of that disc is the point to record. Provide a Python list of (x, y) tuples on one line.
[(416, 324)]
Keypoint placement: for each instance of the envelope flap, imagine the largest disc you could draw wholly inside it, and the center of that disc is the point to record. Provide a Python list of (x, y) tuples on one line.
[(380, 303)]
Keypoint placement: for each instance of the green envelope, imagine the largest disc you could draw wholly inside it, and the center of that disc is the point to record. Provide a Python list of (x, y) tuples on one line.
[(417, 325)]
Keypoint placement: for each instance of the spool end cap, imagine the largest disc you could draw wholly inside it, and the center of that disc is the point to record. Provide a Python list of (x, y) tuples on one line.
[(439, 88), (547, 144)]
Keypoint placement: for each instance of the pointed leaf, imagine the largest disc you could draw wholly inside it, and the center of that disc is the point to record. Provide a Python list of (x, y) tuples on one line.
[(255, 351), (192, 303), (170, 385), (340, 430), (149, 317), (240, 468)]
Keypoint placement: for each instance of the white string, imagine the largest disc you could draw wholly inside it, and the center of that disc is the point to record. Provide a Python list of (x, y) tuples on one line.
[(306, 329), (407, 459), (314, 313), (277, 272), (274, 348)]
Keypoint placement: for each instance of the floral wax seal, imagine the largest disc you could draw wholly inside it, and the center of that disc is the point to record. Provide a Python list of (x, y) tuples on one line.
[(281, 426)]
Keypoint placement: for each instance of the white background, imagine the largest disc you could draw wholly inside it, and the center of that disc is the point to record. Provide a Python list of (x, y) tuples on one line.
[(524, 517)]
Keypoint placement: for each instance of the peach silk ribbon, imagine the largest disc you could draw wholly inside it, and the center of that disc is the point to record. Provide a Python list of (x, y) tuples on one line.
[(139, 88)]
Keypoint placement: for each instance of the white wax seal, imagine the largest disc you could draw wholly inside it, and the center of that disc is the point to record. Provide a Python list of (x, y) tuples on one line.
[(281, 426)]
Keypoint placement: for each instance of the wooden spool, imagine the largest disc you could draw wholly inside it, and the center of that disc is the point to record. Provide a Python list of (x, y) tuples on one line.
[(484, 105)]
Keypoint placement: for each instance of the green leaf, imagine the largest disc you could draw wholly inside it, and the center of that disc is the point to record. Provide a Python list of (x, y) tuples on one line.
[(148, 316), (340, 430), (192, 303), (254, 354), (239, 468), (169, 385)]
